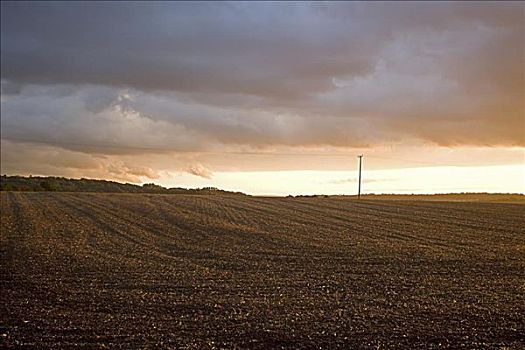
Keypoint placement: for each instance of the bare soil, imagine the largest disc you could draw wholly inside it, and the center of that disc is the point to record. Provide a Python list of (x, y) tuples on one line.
[(190, 271)]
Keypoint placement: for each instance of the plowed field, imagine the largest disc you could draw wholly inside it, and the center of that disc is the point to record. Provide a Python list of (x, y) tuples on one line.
[(183, 271)]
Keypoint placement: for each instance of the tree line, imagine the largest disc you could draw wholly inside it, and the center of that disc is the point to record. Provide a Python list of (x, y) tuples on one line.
[(62, 184)]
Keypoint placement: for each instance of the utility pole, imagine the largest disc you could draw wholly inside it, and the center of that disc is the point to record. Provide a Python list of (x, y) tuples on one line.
[(360, 164)]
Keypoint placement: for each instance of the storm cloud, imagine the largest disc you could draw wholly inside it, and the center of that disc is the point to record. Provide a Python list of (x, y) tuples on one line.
[(107, 78)]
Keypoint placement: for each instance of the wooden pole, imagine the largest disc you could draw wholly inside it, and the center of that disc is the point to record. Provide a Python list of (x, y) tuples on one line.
[(359, 186)]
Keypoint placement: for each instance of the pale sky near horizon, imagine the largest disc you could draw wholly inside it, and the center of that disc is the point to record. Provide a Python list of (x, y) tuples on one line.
[(266, 97)]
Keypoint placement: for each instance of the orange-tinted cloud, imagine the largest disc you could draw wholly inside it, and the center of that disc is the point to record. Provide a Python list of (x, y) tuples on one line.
[(200, 170)]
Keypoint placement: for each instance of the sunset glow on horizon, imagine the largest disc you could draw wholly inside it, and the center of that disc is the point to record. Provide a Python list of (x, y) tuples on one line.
[(267, 98)]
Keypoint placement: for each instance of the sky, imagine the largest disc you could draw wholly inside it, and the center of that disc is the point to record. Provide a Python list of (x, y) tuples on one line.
[(267, 97)]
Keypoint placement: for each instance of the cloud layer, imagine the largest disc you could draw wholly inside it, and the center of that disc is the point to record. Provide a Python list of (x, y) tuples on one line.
[(135, 78)]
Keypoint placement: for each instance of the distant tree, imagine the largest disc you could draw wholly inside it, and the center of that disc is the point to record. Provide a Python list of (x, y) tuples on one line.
[(151, 187), (48, 185)]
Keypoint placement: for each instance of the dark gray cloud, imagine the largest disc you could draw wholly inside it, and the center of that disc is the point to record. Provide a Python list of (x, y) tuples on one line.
[(136, 77), (264, 49), (254, 49)]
